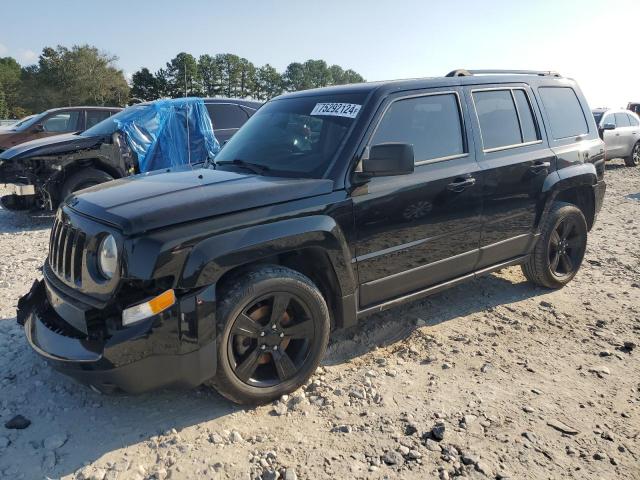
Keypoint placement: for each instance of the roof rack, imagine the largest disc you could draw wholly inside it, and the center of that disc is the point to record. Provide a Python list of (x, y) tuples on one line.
[(467, 73)]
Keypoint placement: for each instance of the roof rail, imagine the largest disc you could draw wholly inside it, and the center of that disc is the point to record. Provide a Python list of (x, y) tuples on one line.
[(467, 73)]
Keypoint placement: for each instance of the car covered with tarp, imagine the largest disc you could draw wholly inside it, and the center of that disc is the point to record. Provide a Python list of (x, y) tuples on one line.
[(166, 133)]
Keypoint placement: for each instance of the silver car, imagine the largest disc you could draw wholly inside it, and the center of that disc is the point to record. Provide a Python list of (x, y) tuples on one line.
[(620, 130)]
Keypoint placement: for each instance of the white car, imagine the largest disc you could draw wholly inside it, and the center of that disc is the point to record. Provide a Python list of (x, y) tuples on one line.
[(620, 130)]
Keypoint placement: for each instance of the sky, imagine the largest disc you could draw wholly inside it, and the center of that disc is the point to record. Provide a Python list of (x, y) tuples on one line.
[(593, 41)]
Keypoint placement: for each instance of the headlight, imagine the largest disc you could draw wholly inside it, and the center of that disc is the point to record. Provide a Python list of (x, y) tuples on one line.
[(108, 257)]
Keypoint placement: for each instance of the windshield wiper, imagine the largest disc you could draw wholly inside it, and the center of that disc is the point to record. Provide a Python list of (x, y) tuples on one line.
[(253, 167)]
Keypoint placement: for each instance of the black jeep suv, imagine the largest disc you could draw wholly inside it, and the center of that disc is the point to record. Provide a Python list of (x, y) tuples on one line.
[(328, 205)]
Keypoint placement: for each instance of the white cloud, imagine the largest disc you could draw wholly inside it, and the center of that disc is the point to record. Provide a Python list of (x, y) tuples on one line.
[(3, 49), (27, 56)]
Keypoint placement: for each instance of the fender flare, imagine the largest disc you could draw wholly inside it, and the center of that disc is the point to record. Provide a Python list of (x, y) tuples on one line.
[(580, 175), (212, 257)]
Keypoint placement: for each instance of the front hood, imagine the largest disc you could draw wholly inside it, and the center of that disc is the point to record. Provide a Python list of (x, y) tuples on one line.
[(50, 146), (159, 199)]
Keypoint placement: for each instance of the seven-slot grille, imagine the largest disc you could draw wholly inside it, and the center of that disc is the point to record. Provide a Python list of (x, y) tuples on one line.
[(66, 249)]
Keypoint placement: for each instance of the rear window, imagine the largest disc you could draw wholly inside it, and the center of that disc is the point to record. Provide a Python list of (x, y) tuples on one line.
[(565, 113), (622, 120), (225, 116), (505, 118)]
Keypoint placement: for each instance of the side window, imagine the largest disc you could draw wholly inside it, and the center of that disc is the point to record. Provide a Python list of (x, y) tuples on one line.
[(96, 116), (633, 120), (622, 120), (498, 118), (609, 119), (226, 116), (525, 113), (432, 124), (62, 121), (565, 113)]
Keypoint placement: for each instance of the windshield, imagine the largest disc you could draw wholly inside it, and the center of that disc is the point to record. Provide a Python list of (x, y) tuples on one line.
[(108, 125), (294, 137), (24, 125), (598, 117)]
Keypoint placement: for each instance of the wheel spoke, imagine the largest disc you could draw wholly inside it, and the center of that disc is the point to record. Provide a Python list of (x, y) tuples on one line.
[(566, 229), (554, 261), (284, 365), (278, 307), (248, 367), (555, 239), (567, 263), (299, 330), (244, 325)]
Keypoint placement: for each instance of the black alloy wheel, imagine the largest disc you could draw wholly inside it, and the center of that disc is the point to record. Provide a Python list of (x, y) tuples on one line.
[(566, 248), (559, 251), (273, 330), (270, 340)]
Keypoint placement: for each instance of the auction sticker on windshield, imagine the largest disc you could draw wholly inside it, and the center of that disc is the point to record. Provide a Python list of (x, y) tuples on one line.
[(349, 110)]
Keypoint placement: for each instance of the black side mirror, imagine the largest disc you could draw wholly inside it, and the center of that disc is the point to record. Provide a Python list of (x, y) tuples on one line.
[(608, 126), (387, 159), (38, 128)]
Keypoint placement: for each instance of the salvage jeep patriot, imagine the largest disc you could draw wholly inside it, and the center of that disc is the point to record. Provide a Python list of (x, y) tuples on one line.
[(328, 205)]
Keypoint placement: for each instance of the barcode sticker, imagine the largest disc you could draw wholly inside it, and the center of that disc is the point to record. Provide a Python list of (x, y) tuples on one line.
[(349, 110)]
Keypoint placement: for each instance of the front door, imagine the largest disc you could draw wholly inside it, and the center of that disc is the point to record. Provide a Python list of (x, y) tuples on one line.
[(416, 230), (515, 162)]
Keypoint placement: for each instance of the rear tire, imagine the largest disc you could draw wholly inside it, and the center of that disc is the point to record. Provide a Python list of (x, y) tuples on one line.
[(85, 178), (560, 249), (263, 355), (633, 160)]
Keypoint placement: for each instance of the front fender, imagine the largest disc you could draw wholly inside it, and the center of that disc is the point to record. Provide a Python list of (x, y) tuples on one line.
[(212, 257)]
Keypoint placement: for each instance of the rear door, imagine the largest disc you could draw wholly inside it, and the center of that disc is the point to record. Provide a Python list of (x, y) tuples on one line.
[(625, 134), (417, 230), (514, 161), (226, 118)]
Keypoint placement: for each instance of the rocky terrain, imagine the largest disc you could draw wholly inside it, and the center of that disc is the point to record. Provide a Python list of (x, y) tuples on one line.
[(492, 379)]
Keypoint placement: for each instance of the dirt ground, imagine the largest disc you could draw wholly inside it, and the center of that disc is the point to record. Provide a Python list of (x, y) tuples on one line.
[(492, 379)]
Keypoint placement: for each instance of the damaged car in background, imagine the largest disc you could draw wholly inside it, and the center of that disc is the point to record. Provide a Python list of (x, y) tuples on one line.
[(142, 138)]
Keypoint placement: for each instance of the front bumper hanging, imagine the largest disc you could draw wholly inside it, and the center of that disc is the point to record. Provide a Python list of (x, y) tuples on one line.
[(130, 359)]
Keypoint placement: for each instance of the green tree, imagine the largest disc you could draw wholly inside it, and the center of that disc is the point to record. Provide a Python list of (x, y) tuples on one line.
[(294, 77), (10, 73), (268, 84), (210, 72), (144, 85), (4, 111), (81, 75), (316, 73), (182, 76)]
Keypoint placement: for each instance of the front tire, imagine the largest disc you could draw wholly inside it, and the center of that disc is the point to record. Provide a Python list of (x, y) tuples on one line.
[(633, 160), (560, 249), (274, 328), (85, 178)]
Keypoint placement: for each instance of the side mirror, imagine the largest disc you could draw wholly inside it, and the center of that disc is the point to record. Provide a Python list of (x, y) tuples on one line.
[(387, 159), (608, 126), (38, 128)]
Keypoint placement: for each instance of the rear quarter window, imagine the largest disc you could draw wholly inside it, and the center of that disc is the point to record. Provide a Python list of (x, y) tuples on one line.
[(564, 112)]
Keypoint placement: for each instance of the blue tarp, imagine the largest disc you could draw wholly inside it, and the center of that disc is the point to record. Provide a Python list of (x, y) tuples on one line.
[(169, 133)]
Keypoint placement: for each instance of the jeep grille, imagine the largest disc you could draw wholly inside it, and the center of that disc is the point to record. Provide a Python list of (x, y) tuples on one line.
[(66, 248)]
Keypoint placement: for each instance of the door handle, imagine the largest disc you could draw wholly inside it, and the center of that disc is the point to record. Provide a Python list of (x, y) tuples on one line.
[(461, 184), (538, 167)]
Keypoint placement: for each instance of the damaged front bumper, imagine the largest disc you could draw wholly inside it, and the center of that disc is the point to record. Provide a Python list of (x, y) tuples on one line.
[(135, 359)]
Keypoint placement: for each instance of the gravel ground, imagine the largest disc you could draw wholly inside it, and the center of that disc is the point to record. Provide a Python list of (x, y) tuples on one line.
[(493, 379)]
